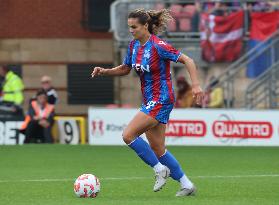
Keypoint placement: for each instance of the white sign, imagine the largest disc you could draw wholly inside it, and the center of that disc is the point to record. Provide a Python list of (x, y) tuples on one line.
[(9, 133), (106, 125), (68, 131), (193, 127)]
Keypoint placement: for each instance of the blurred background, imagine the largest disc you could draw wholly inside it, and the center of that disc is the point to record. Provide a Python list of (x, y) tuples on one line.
[(47, 51), (235, 45)]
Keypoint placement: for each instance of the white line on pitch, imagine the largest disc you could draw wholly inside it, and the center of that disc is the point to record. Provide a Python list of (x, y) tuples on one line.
[(140, 178), (239, 176)]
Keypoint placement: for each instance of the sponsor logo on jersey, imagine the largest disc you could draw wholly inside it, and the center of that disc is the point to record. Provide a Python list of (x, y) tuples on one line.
[(162, 43), (146, 54), (141, 68)]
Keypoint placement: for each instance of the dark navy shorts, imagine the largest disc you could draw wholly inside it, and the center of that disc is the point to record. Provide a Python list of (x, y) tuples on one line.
[(161, 112)]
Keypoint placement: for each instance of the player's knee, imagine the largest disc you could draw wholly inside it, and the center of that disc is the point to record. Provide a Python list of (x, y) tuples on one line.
[(127, 138)]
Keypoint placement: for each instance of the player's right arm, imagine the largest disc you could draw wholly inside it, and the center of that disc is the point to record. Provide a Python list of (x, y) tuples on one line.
[(120, 70), (116, 71)]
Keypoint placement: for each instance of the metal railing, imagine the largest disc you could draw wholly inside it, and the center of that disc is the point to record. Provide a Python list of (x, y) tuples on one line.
[(235, 70), (264, 91), (120, 9), (227, 80)]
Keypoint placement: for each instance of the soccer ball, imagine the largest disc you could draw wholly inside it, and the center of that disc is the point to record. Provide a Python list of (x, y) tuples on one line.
[(87, 186)]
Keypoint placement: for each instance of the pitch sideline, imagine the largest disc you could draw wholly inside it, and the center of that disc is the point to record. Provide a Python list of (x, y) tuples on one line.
[(142, 178)]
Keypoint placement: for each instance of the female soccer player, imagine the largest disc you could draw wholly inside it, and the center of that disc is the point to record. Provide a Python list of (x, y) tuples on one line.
[(150, 57)]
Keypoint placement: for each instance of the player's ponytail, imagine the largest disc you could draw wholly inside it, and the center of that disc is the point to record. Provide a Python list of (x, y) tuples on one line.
[(157, 20)]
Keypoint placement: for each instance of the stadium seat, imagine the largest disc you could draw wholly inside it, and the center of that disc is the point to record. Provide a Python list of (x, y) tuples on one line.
[(172, 26), (184, 24), (189, 10), (176, 10), (159, 6)]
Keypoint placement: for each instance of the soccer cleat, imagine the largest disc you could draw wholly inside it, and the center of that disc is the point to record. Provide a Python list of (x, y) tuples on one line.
[(187, 192), (161, 179)]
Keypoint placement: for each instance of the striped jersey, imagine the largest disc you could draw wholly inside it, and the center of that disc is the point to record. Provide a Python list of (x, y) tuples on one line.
[(151, 62)]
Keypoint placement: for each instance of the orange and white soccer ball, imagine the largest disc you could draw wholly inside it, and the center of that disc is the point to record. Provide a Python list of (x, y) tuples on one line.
[(87, 186)]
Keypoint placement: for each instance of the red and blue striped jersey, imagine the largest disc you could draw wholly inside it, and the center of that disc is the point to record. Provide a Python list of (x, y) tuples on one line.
[(151, 62)]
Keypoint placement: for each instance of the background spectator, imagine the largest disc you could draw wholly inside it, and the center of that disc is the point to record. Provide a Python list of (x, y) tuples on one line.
[(207, 7), (12, 90), (184, 93), (259, 5), (39, 120), (274, 4), (51, 92), (214, 97)]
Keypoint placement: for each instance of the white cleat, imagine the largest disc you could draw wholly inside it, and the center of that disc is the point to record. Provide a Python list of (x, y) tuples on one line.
[(186, 192), (161, 179)]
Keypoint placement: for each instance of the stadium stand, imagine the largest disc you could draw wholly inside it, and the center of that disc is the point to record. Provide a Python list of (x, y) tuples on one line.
[(60, 52), (181, 33)]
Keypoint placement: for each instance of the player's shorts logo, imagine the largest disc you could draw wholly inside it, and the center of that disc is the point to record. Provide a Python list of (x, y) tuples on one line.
[(150, 104)]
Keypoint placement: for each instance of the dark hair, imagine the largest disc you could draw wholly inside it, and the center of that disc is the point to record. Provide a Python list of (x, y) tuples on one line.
[(41, 92), (157, 20), (182, 85)]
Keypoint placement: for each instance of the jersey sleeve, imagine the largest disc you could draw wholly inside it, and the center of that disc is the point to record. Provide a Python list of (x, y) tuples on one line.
[(128, 59), (167, 51), (51, 99)]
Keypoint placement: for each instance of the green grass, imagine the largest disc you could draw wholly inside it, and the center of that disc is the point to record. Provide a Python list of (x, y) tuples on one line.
[(203, 165)]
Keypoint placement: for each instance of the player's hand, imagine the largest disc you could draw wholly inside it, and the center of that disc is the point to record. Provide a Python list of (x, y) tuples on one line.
[(36, 117), (44, 123), (197, 94), (97, 71)]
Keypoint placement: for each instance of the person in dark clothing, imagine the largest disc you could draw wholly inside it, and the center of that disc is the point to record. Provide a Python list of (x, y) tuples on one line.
[(51, 93), (39, 120)]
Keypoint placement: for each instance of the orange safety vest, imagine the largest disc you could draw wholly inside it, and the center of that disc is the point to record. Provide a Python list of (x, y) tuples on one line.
[(43, 114)]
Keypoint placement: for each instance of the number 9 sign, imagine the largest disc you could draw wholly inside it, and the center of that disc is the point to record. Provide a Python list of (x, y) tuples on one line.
[(68, 131)]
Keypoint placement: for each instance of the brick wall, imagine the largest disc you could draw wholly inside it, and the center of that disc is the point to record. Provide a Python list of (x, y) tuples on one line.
[(46, 35), (43, 19), (40, 57)]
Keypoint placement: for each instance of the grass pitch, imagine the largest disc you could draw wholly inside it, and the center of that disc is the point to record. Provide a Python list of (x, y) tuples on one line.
[(44, 174)]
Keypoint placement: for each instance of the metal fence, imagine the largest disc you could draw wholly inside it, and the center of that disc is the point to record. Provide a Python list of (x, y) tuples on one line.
[(233, 80), (186, 22), (264, 91), (233, 77)]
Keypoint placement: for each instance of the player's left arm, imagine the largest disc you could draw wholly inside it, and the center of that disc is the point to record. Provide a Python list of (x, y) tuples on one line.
[(192, 69), (116, 71)]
